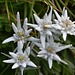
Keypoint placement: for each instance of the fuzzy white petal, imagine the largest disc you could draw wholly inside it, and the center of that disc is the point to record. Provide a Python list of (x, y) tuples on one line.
[(56, 26), (45, 16), (14, 28), (38, 29), (38, 44), (13, 54), (28, 31), (62, 48), (50, 62), (9, 61), (56, 57), (50, 14), (42, 37), (30, 63), (8, 40), (27, 51), (40, 55), (33, 39), (25, 24), (38, 20), (65, 14), (64, 36), (57, 15), (48, 32), (32, 25), (23, 64), (18, 22), (64, 62), (42, 52), (48, 26), (45, 57), (16, 65), (63, 11)]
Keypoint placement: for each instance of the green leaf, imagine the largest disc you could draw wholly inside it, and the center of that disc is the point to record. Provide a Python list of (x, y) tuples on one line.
[(31, 72)]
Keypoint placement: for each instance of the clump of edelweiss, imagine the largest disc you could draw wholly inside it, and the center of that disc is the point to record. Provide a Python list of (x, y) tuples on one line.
[(67, 26), (20, 59), (21, 33), (50, 50), (41, 26)]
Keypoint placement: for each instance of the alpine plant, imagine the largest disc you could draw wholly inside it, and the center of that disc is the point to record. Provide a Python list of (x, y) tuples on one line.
[(48, 31), (67, 26), (50, 50)]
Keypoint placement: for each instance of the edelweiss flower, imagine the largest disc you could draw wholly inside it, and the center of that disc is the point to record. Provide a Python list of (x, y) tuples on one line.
[(20, 33), (20, 59), (42, 22), (67, 26), (50, 50), (41, 26)]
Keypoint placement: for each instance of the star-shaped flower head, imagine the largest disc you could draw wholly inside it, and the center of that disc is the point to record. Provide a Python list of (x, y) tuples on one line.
[(67, 26), (21, 33), (50, 50), (20, 59), (40, 26)]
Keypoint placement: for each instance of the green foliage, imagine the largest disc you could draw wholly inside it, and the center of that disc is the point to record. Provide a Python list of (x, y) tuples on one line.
[(8, 10)]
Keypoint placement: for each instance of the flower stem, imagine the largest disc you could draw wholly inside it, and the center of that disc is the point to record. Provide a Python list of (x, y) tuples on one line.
[(21, 70)]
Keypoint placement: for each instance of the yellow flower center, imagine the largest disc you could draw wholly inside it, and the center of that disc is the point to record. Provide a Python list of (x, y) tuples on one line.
[(21, 58), (20, 33), (44, 26), (68, 23), (49, 50), (63, 20)]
